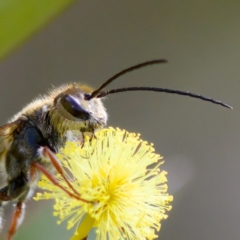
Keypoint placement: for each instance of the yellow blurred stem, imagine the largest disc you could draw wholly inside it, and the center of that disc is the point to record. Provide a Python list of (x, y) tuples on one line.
[(84, 228)]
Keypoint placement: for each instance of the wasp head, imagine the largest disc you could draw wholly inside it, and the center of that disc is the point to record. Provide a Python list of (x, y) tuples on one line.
[(72, 112)]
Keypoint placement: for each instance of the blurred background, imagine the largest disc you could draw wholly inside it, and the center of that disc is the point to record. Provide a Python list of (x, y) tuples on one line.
[(93, 40)]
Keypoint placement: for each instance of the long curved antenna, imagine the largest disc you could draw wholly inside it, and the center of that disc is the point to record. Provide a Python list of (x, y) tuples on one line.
[(97, 91), (166, 90)]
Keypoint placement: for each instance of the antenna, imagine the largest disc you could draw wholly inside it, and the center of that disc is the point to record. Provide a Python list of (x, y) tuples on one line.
[(165, 90), (98, 93), (141, 65)]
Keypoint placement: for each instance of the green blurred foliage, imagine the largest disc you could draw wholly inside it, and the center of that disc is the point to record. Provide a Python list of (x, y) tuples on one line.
[(19, 19)]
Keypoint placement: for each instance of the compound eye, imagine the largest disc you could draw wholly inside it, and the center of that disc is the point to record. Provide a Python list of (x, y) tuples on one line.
[(73, 107)]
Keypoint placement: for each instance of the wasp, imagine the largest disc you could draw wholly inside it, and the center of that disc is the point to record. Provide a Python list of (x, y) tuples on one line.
[(30, 140)]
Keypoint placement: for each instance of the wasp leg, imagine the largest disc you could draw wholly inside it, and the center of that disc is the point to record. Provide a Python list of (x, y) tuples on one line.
[(16, 220), (93, 136), (17, 188), (82, 140), (48, 153), (52, 179)]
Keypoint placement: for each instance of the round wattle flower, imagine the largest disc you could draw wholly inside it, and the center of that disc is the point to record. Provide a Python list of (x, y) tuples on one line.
[(119, 174)]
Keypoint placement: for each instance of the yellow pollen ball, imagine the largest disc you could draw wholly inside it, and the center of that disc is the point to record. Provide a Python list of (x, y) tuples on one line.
[(119, 174)]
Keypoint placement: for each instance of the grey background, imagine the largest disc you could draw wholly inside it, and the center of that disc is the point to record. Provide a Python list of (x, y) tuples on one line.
[(93, 40)]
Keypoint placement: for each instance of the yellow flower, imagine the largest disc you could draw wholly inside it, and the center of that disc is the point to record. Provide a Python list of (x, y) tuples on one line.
[(119, 174)]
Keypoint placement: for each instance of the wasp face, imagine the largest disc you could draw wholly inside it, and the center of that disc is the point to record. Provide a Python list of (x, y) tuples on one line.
[(72, 112)]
